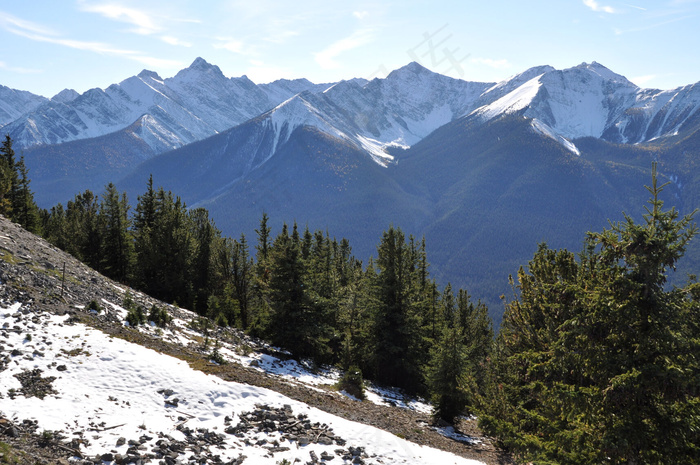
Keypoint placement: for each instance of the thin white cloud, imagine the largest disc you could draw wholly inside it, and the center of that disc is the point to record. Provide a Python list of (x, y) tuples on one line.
[(327, 57), (175, 41), (261, 73), (232, 45), (19, 70), (595, 6), (38, 33), (652, 26), (144, 23), (490, 62), (97, 47), (643, 80), (636, 7), (13, 23), (360, 14), (154, 62)]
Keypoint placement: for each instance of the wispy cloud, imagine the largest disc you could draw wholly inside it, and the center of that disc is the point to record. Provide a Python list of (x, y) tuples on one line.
[(143, 23), (595, 6), (38, 33), (154, 62), (360, 14), (19, 70), (652, 26), (636, 7), (327, 57), (15, 25), (175, 41), (497, 64), (232, 45), (97, 47), (643, 80)]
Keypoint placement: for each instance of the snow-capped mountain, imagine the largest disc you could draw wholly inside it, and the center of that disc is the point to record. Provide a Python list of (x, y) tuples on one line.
[(589, 100), (397, 111), (196, 103), (15, 103)]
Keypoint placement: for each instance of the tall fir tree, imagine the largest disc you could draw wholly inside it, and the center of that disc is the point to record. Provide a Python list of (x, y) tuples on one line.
[(10, 180), (397, 356), (117, 246), (596, 359)]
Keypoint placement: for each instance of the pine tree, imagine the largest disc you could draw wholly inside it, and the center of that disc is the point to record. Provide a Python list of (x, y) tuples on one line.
[(397, 357), (297, 322), (596, 360), (447, 376), (83, 232), (117, 246), (24, 209), (9, 180), (238, 268)]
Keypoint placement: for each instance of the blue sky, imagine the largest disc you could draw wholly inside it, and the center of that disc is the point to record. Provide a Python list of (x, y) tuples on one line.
[(49, 45)]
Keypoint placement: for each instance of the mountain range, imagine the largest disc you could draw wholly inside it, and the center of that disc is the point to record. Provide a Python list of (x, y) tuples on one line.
[(484, 170)]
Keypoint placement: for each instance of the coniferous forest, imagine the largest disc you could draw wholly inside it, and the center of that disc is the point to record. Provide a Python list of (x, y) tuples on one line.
[(597, 359)]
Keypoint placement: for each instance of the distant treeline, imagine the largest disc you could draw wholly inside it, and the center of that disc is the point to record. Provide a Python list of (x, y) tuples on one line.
[(596, 360)]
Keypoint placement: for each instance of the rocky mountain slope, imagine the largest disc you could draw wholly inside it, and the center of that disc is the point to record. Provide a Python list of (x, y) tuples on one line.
[(197, 102), (81, 385), (484, 170)]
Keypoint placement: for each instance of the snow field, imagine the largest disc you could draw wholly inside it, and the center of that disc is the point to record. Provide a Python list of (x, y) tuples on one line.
[(109, 389)]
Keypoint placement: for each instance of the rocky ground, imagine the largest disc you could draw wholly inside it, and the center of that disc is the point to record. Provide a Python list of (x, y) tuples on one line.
[(33, 271)]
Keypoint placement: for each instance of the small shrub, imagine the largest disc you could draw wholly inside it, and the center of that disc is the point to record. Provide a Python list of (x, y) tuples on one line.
[(7, 454), (353, 383), (46, 437), (216, 356), (159, 316), (136, 316), (28, 337), (93, 305), (221, 320), (128, 302)]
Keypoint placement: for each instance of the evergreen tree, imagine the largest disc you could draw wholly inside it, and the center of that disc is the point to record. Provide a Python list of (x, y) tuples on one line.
[(447, 376), (117, 254), (596, 360), (205, 242), (9, 180), (144, 223), (296, 322), (239, 270), (397, 357), (24, 210), (83, 232)]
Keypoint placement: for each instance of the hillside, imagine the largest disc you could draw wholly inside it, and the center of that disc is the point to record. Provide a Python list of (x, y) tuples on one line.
[(83, 384)]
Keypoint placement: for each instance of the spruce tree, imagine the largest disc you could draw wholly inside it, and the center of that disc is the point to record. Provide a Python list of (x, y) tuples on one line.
[(596, 360), (9, 180), (397, 357), (24, 209), (447, 376), (117, 245)]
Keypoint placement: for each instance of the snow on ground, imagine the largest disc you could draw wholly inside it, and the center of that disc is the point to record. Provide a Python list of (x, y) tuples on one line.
[(112, 389)]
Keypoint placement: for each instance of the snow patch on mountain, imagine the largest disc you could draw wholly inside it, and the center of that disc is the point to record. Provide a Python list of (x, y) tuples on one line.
[(115, 389), (512, 102), (15, 103), (545, 130)]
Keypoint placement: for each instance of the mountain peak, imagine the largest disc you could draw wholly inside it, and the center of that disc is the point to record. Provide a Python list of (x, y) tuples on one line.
[(146, 74), (65, 96), (603, 72), (199, 67), (202, 65), (413, 67)]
